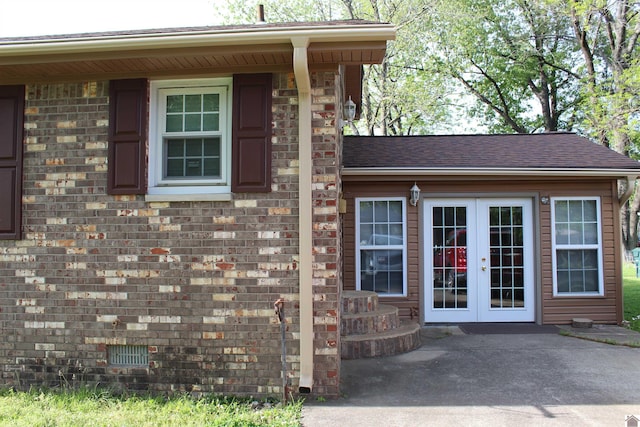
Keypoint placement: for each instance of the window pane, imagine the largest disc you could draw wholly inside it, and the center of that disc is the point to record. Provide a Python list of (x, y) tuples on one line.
[(194, 167), (591, 281), (366, 233), (175, 167), (438, 214), (381, 212), (193, 103), (575, 260), (590, 211), (590, 259), (395, 211), (505, 215), (575, 234), (175, 148), (576, 282), (562, 210), (562, 234), (175, 104), (211, 102), (174, 123), (382, 234), (591, 233), (194, 147), (212, 168), (518, 236), (212, 147), (575, 211), (563, 281), (210, 122), (192, 122), (366, 212), (395, 231)]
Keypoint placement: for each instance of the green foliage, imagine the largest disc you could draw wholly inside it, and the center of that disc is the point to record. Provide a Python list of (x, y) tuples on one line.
[(98, 408), (514, 57)]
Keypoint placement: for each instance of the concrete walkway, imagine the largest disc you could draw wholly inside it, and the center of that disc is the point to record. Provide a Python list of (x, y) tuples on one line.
[(492, 379)]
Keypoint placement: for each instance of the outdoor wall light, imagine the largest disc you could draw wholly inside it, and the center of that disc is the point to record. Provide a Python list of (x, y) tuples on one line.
[(349, 113), (415, 195), (544, 200)]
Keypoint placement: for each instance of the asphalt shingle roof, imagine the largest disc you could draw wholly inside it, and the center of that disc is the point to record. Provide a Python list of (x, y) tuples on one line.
[(558, 150)]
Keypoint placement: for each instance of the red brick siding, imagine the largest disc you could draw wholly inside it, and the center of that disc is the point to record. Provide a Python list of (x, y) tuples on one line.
[(193, 281)]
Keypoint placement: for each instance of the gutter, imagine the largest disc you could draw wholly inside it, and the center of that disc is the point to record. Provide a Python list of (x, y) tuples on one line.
[(303, 83), (203, 38), (449, 172)]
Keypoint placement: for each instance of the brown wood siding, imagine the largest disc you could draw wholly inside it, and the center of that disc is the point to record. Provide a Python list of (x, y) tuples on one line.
[(554, 310)]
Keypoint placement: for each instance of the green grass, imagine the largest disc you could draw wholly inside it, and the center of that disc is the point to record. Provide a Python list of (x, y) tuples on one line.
[(631, 290), (98, 408)]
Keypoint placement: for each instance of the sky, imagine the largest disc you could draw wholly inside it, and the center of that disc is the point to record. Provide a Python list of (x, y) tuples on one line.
[(20, 18)]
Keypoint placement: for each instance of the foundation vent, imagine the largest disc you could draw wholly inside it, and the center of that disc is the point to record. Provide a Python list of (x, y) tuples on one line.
[(128, 355)]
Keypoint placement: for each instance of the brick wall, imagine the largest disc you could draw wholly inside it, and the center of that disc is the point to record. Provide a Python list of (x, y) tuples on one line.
[(192, 282)]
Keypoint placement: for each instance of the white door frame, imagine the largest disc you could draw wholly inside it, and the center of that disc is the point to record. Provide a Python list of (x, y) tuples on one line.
[(478, 278)]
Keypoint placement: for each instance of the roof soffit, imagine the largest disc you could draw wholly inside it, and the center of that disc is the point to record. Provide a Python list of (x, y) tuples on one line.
[(187, 53)]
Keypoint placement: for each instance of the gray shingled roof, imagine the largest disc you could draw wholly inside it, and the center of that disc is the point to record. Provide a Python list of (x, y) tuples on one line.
[(178, 30), (544, 151)]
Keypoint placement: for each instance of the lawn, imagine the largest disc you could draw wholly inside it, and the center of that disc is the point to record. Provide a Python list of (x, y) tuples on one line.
[(93, 407), (631, 290)]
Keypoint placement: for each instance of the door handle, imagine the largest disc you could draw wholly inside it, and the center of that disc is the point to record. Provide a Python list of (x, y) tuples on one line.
[(484, 268)]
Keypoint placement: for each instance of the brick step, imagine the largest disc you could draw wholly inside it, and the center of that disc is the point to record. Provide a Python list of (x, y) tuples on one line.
[(359, 302), (382, 319), (388, 343)]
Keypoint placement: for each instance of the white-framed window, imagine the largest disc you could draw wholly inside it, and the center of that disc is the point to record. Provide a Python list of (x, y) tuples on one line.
[(190, 137), (577, 246), (381, 246)]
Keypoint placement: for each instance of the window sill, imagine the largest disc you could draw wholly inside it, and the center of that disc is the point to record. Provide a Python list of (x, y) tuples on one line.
[(579, 295), (219, 197)]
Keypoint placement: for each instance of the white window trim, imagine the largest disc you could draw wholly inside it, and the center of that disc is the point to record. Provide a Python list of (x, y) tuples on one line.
[(394, 247), (598, 247), (160, 189)]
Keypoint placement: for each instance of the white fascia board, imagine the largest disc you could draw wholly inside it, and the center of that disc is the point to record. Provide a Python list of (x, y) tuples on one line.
[(246, 36), (615, 173)]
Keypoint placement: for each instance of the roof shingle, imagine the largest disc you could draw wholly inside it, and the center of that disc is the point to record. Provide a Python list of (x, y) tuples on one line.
[(558, 150)]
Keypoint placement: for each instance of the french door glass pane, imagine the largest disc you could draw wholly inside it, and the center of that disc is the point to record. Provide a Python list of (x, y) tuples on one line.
[(506, 245), (449, 239)]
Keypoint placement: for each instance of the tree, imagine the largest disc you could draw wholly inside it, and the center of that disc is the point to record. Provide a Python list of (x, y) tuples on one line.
[(514, 57), (398, 98), (607, 35)]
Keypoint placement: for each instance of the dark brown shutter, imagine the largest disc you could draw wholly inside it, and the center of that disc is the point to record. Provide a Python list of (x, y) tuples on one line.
[(127, 137), (251, 138), (353, 86), (11, 134)]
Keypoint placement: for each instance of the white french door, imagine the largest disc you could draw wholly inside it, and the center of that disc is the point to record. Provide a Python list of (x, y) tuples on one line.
[(479, 260)]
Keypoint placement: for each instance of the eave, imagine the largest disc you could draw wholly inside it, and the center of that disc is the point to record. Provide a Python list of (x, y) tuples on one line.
[(202, 52), (391, 174)]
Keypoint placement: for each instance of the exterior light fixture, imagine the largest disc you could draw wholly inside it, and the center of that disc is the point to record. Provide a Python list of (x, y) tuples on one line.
[(414, 195), (349, 113), (544, 200)]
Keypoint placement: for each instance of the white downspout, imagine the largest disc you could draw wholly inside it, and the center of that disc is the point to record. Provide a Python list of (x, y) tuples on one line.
[(631, 180), (303, 82)]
